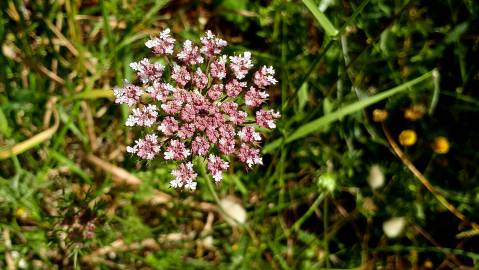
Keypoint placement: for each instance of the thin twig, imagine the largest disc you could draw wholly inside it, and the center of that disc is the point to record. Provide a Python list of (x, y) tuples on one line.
[(308, 213), (90, 125), (449, 257), (39, 138), (403, 157), (121, 176), (8, 246)]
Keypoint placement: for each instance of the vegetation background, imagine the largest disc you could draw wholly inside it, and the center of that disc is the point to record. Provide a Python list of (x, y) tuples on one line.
[(340, 188)]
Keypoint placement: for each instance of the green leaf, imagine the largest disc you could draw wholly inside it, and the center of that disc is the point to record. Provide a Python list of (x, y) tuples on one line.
[(315, 125), (63, 160), (327, 106), (231, 12), (456, 33), (303, 96), (321, 18), (95, 94), (4, 128)]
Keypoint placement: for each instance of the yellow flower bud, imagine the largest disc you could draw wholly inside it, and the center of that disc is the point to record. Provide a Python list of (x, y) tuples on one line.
[(415, 112), (407, 137), (21, 213), (440, 145), (379, 115), (428, 264)]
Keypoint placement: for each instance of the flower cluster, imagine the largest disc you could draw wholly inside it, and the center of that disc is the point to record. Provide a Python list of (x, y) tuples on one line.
[(198, 102)]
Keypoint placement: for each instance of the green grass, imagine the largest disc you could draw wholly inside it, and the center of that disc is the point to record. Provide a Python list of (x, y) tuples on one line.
[(62, 139)]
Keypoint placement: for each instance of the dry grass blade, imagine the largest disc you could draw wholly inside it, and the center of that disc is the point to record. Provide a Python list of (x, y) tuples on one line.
[(159, 198), (119, 246), (12, 52), (90, 125), (33, 141), (63, 39), (8, 245), (407, 162), (48, 73), (121, 176), (66, 42)]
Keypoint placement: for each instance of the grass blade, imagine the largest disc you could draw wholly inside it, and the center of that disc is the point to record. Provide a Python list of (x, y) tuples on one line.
[(95, 94), (30, 143), (314, 125), (4, 128), (321, 18), (63, 160)]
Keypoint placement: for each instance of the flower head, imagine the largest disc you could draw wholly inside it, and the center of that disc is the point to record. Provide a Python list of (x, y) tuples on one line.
[(180, 75), (203, 109), (146, 148), (218, 68), (160, 91), (266, 118), (147, 71), (176, 151), (264, 77), (200, 146), (248, 134), (128, 94), (255, 97), (234, 88), (211, 44), (216, 166), (200, 79), (184, 176), (190, 54), (249, 155), (241, 64), (164, 44), (145, 116)]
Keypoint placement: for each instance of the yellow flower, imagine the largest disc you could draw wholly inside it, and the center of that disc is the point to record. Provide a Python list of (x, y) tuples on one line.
[(440, 145), (414, 112), (407, 137), (379, 115), (428, 264), (21, 213)]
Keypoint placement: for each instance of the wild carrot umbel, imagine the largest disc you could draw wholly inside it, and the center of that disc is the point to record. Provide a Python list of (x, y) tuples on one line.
[(200, 103)]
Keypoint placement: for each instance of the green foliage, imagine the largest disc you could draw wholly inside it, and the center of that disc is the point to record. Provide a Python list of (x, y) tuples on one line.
[(321, 18)]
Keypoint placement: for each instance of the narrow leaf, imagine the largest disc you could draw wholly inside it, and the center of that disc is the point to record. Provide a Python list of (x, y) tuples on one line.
[(21, 147), (321, 18), (315, 125), (71, 165), (95, 94), (303, 96), (4, 128)]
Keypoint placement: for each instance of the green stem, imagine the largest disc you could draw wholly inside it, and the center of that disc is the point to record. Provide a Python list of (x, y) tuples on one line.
[(397, 248), (308, 213), (321, 18), (325, 229), (327, 119)]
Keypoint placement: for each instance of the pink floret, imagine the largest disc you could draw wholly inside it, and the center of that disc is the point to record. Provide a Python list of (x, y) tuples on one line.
[(146, 148), (267, 118), (164, 44), (129, 94), (216, 167), (184, 177)]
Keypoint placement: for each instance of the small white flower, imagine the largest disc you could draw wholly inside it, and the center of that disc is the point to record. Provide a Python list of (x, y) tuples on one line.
[(394, 226), (235, 214), (376, 177)]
